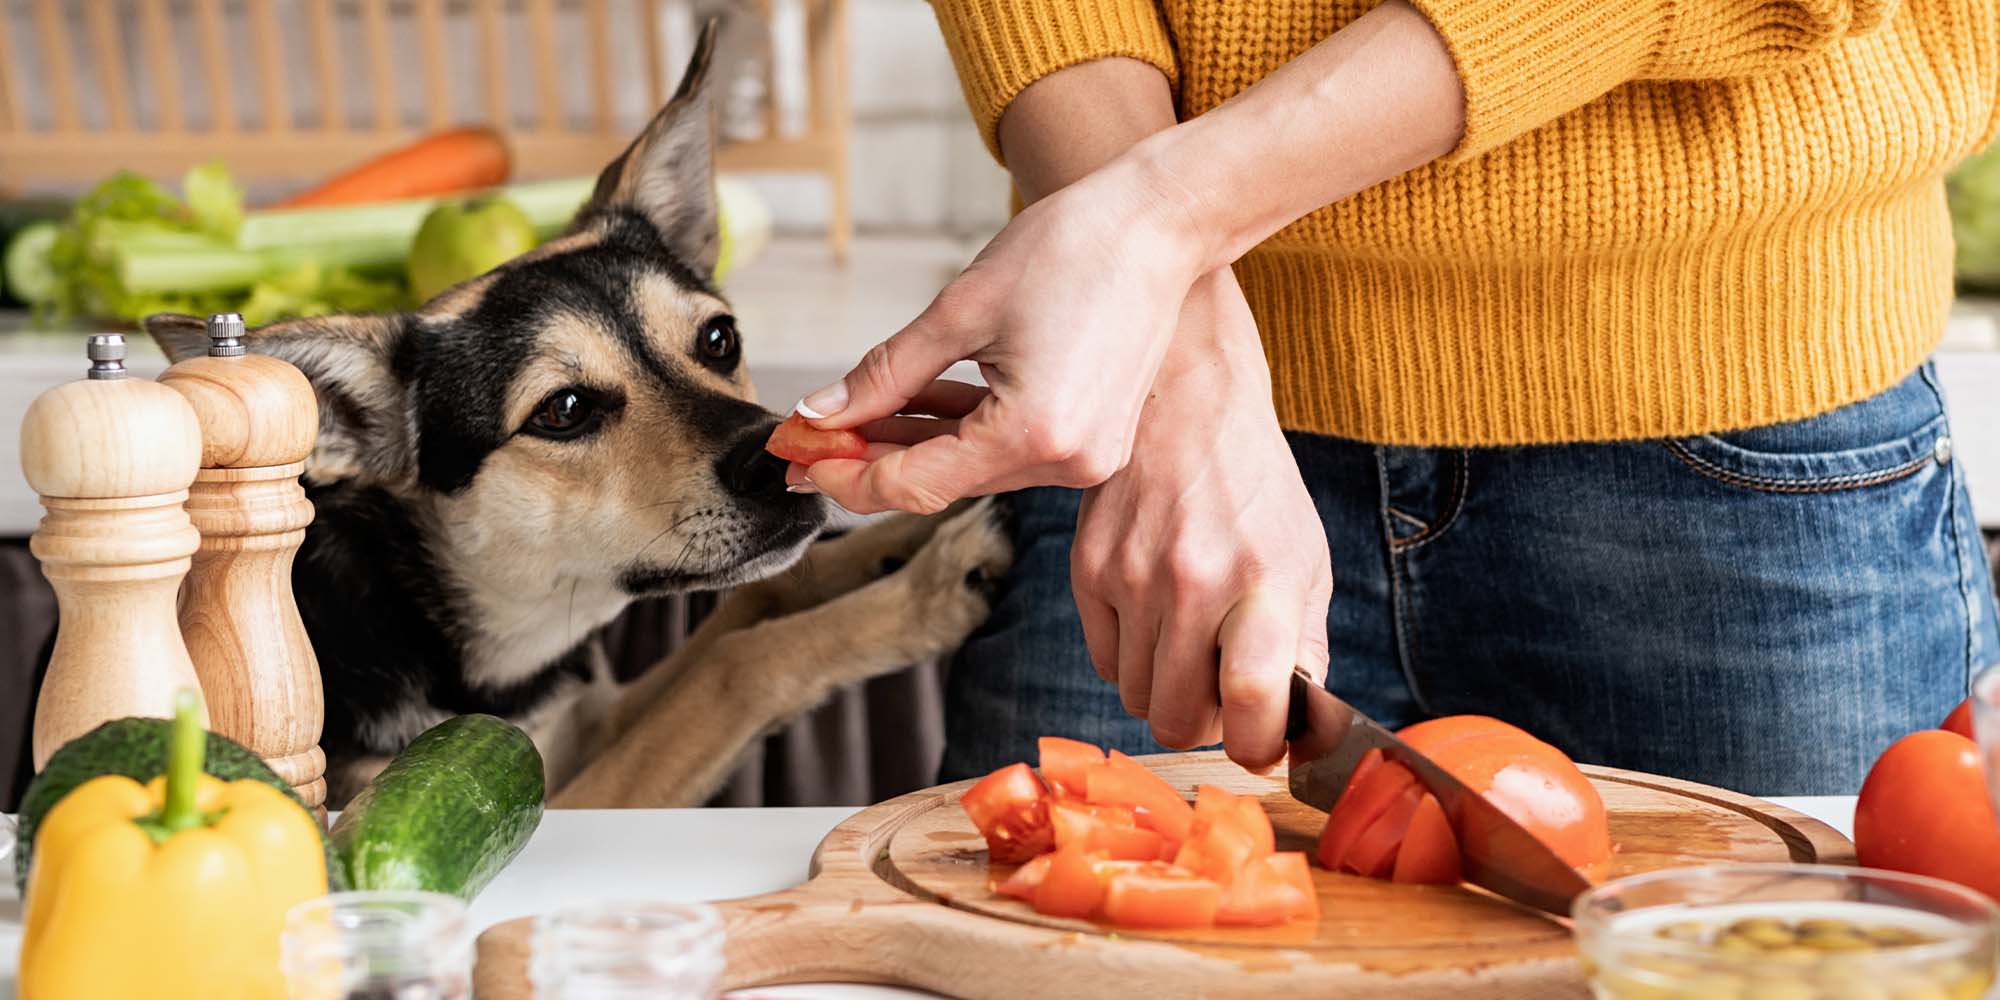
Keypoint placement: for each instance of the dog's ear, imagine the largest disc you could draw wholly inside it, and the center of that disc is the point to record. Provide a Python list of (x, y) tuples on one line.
[(667, 175), (367, 420)]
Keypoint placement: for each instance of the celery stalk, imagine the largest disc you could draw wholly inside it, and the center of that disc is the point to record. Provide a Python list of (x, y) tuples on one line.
[(548, 204)]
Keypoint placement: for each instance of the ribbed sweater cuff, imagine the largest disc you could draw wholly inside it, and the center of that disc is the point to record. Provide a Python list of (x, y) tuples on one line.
[(1001, 48), (1526, 62)]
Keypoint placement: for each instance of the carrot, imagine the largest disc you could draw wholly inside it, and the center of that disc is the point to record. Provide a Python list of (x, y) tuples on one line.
[(461, 159)]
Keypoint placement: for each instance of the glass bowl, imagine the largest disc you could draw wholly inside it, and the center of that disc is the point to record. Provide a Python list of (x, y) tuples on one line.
[(1986, 721), (1787, 932)]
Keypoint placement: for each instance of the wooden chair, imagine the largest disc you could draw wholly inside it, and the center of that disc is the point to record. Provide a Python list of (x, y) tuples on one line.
[(270, 86)]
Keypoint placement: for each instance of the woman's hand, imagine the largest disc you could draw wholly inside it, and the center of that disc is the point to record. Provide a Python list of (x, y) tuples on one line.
[(1201, 569), (1068, 312)]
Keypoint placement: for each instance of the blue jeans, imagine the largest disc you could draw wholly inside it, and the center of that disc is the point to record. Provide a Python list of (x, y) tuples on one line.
[(1764, 610)]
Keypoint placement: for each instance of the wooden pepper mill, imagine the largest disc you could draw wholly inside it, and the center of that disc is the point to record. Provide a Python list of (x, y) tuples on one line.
[(258, 422), (112, 458)]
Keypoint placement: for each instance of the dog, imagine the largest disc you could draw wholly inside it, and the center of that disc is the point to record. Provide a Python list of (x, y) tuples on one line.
[(502, 471)]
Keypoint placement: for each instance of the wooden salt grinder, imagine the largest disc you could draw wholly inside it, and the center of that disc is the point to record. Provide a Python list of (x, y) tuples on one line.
[(258, 421), (112, 458)]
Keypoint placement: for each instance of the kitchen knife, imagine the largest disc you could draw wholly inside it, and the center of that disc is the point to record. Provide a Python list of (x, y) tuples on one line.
[(1328, 738)]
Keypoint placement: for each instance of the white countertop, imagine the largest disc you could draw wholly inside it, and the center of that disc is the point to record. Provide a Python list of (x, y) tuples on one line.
[(680, 855)]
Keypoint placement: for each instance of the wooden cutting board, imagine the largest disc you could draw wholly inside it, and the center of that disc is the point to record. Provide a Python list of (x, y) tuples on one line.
[(899, 896)]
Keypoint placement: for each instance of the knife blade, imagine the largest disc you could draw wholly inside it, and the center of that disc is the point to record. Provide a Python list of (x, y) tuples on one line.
[(1328, 738)]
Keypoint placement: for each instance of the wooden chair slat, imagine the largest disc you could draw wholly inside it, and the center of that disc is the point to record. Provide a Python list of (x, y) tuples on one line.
[(326, 64), (493, 59), (596, 26), (649, 26), (381, 63), (59, 59), (548, 82), (13, 107), (107, 50), (437, 84), (162, 64), (217, 64), (270, 66)]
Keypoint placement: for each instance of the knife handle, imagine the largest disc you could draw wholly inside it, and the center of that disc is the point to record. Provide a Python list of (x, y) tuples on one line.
[(1295, 716)]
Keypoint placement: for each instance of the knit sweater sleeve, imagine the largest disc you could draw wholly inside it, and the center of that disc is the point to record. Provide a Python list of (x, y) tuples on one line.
[(1526, 62), (1002, 46)]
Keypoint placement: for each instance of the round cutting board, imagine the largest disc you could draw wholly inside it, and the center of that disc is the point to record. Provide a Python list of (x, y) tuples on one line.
[(900, 895)]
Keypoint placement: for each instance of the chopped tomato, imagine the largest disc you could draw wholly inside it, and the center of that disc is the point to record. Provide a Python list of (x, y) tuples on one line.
[(1122, 781), (1214, 805), (1371, 790), (1107, 830), (1155, 898), (1429, 855), (1072, 887), (1924, 810), (1960, 720), (1011, 809), (798, 441), (1021, 884), (1270, 890), (1533, 783), (1374, 852), (1218, 849), (1066, 763)]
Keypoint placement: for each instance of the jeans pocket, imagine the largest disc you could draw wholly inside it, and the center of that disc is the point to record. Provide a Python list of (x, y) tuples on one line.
[(1886, 437)]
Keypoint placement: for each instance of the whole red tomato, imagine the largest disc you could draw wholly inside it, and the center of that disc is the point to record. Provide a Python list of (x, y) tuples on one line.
[(1924, 810), (1960, 720)]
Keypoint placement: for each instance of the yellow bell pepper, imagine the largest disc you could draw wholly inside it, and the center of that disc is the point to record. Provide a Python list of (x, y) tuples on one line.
[(174, 890)]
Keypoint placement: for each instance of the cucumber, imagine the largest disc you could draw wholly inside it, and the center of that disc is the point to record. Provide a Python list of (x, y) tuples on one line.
[(448, 813), (28, 277), (137, 749)]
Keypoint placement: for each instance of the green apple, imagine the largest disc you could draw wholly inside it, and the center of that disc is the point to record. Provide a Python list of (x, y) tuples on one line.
[(465, 239)]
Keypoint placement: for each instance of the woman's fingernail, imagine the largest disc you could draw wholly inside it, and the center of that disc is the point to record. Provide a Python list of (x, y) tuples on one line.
[(802, 488), (823, 403)]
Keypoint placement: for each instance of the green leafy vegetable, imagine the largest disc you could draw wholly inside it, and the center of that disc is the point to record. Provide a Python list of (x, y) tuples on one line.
[(1974, 189)]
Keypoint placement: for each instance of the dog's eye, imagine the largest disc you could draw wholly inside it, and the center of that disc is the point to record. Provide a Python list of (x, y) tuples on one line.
[(564, 414), (717, 342)]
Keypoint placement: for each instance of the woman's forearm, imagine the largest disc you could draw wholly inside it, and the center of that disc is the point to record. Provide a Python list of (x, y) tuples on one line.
[(1077, 119), (1378, 98)]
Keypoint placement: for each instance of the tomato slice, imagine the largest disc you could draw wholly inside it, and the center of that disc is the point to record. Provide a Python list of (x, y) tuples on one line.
[(1270, 890), (1072, 887), (1533, 783), (1122, 781), (1374, 852), (1374, 786), (1021, 884), (1960, 721), (798, 441), (1161, 899), (1066, 763), (1217, 853), (1011, 809), (1213, 805), (1429, 855)]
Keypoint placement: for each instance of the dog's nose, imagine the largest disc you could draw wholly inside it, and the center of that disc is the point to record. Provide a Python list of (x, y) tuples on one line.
[(748, 470)]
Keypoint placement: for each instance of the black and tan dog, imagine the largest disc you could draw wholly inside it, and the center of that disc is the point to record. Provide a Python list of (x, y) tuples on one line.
[(499, 473)]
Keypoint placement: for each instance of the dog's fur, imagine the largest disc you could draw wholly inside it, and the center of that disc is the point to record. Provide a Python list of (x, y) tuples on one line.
[(501, 472)]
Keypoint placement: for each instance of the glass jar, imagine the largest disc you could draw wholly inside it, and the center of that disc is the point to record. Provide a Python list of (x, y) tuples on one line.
[(627, 951), (1986, 722), (378, 946), (1802, 932), (7, 835)]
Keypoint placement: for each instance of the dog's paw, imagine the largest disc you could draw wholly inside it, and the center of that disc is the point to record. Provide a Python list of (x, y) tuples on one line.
[(957, 573)]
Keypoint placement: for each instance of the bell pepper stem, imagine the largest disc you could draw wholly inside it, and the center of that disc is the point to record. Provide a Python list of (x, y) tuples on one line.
[(186, 748)]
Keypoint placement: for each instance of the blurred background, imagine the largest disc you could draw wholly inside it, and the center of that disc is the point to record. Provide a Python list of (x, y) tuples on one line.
[(201, 155)]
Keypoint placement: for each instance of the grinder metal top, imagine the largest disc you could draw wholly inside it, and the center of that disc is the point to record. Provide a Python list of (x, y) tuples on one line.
[(225, 335)]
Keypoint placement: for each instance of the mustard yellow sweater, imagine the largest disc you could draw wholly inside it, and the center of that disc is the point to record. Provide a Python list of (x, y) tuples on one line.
[(1666, 216)]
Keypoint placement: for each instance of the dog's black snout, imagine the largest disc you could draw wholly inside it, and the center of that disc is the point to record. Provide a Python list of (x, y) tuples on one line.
[(747, 470)]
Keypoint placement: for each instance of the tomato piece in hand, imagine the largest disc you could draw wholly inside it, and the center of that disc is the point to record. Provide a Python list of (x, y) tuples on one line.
[(1022, 884), (1071, 888), (1960, 721), (1066, 764), (1122, 781), (798, 441), (1924, 810), (1429, 855), (1161, 898), (1011, 809)]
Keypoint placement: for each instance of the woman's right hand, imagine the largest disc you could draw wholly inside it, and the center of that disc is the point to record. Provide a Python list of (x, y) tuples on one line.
[(1068, 312)]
